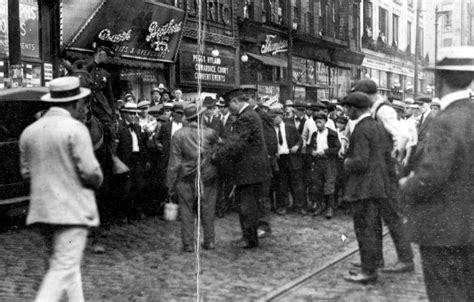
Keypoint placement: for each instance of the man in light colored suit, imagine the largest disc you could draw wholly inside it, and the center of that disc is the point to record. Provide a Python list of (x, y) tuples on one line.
[(57, 155)]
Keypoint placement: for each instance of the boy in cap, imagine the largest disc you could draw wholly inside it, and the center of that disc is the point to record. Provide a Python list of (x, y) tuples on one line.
[(368, 184), (441, 188), (324, 146)]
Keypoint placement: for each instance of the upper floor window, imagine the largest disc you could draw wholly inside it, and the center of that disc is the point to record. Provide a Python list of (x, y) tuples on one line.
[(448, 20), (408, 37), (368, 20), (395, 30), (383, 25), (410, 3)]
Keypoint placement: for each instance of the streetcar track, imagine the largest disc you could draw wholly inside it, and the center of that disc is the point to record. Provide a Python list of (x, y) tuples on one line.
[(292, 286)]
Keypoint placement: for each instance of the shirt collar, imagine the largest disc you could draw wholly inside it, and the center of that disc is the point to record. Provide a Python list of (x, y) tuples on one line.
[(453, 97), (375, 105), (59, 110), (243, 108), (363, 116)]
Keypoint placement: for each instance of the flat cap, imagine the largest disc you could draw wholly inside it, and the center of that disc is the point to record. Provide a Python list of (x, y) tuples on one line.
[(366, 86), (318, 105), (423, 99), (342, 119), (320, 116), (356, 99)]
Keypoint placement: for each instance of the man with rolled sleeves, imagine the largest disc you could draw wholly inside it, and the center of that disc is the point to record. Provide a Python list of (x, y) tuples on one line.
[(247, 151), (56, 154), (441, 190), (368, 182)]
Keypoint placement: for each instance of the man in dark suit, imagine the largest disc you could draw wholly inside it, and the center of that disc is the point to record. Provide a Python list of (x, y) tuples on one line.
[(441, 190), (224, 202), (163, 142), (299, 118), (368, 181), (290, 163), (246, 149), (210, 118), (271, 143), (132, 151), (422, 129)]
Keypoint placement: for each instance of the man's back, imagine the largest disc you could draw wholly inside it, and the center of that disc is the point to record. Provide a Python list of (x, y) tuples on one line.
[(57, 154), (444, 211)]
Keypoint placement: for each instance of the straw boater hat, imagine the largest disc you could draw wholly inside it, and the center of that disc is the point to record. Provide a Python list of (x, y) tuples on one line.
[(458, 58), (65, 89), (130, 107), (396, 104)]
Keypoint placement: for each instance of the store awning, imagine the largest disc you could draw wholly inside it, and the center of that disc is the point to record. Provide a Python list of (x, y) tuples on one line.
[(267, 60), (144, 64), (140, 30), (348, 56)]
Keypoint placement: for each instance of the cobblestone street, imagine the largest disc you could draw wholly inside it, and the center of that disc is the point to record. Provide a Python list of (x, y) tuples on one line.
[(144, 262)]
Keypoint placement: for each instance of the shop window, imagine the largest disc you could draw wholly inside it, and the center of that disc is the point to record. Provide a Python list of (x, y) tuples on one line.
[(275, 11), (31, 75), (4, 28), (29, 28)]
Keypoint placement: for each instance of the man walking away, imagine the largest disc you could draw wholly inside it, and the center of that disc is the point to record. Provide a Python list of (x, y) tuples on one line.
[(57, 155), (441, 190)]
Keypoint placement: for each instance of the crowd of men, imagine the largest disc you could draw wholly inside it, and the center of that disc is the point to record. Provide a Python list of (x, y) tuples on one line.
[(392, 160)]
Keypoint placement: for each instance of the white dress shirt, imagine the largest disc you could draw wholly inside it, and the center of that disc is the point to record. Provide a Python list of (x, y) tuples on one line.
[(283, 147), (322, 141)]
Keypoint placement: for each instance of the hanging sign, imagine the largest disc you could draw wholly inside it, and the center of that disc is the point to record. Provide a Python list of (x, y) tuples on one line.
[(139, 29), (273, 45), (29, 28)]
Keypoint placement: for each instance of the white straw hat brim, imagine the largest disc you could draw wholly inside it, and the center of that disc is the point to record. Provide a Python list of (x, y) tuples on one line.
[(82, 94)]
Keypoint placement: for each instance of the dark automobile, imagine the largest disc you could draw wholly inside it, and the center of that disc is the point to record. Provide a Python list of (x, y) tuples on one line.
[(19, 107)]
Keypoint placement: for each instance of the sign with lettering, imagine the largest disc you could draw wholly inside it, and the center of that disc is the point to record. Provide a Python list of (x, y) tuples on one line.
[(29, 28), (216, 11), (273, 45), (210, 70), (4, 27), (138, 29)]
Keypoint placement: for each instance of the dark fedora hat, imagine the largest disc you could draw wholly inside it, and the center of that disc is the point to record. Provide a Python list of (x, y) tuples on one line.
[(191, 111), (357, 99), (209, 102), (320, 116), (178, 108)]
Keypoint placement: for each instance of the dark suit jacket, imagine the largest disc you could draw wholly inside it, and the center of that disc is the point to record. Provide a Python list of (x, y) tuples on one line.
[(422, 135), (333, 144), (271, 140), (293, 138), (292, 121), (246, 149), (228, 126), (442, 190), (366, 162), (216, 124), (124, 146), (163, 137)]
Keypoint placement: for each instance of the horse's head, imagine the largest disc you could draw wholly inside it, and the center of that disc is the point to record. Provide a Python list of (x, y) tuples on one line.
[(81, 69)]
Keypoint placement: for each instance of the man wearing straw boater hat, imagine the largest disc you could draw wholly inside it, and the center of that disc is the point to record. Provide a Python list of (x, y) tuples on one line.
[(441, 189), (190, 165), (57, 156)]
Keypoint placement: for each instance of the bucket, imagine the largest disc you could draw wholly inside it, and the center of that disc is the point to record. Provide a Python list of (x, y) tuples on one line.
[(171, 211)]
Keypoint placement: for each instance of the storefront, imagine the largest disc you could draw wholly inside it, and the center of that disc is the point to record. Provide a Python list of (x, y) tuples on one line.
[(265, 62), (25, 56), (146, 36), (214, 68)]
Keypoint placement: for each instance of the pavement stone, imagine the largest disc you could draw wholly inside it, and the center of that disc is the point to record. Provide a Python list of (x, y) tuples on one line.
[(144, 261), (330, 286)]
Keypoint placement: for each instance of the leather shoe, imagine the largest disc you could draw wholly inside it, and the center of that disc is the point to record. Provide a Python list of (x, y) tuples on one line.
[(360, 277), (208, 246), (281, 211), (400, 267)]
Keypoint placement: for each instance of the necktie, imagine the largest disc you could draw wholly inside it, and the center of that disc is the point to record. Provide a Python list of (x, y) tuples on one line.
[(280, 137)]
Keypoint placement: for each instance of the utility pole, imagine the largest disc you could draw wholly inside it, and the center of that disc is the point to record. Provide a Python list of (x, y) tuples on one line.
[(417, 48), (289, 73)]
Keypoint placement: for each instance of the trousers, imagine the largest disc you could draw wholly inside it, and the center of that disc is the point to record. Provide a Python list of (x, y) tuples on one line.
[(67, 244), (449, 272), (187, 193), (247, 198)]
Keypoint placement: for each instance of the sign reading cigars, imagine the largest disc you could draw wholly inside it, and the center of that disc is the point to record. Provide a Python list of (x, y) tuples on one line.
[(139, 29)]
